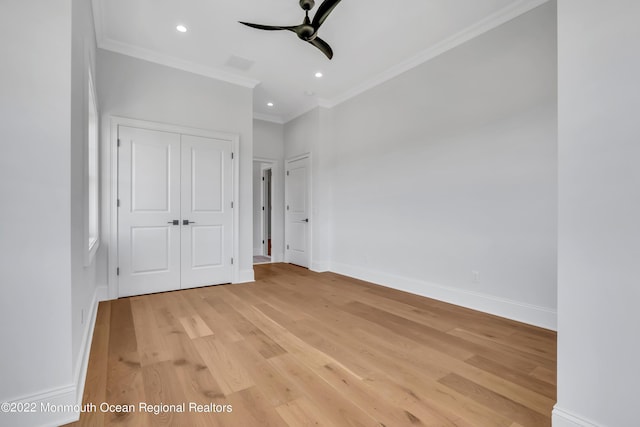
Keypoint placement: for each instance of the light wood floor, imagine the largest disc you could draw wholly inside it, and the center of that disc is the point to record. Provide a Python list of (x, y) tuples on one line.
[(298, 348)]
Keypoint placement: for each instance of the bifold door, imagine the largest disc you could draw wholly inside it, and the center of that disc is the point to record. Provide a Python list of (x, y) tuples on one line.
[(175, 211)]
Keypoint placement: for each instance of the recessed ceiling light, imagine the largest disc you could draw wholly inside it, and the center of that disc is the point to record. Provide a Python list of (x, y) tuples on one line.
[(318, 74), (181, 28), (269, 104)]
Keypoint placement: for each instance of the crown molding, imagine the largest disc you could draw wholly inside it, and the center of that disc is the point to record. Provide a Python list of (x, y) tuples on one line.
[(492, 21), (170, 61), (268, 118)]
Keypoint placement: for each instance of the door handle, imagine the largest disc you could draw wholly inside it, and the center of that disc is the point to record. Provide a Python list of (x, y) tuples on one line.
[(187, 222), (305, 220), (174, 222)]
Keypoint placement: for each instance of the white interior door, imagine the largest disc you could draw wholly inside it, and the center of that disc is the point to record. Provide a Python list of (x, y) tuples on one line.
[(297, 245), (149, 198), (206, 211)]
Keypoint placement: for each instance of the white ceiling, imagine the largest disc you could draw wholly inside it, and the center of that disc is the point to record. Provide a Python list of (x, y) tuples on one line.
[(372, 41)]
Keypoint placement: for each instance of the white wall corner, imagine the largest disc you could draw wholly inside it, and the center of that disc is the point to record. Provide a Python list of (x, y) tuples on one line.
[(245, 276), (534, 315), (277, 257), (257, 251), (319, 266), (563, 418)]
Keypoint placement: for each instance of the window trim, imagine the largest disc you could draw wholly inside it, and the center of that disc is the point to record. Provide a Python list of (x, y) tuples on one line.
[(92, 172)]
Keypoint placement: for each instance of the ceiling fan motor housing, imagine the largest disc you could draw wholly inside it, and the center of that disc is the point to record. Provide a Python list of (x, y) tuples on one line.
[(307, 4)]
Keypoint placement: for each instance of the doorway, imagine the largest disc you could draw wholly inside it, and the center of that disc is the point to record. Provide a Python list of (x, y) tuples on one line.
[(265, 212)]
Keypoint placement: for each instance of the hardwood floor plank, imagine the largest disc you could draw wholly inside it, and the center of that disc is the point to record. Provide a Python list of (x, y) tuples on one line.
[(259, 406), (195, 327), (124, 370), (408, 329), (530, 381), (230, 374), (495, 401), (150, 343), (277, 390), (423, 398), (341, 412), (214, 322), (544, 374), (301, 412), (503, 349), (190, 366)]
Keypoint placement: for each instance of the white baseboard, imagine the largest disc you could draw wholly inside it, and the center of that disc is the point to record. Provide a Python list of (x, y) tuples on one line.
[(319, 266), (41, 417), (245, 276), (534, 315), (277, 257), (563, 418), (100, 294)]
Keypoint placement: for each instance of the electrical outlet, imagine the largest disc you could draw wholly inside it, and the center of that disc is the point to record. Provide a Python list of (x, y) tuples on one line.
[(475, 276)]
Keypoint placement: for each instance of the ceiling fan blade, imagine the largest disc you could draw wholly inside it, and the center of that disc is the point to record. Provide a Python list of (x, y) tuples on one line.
[(266, 27), (323, 46), (323, 12)]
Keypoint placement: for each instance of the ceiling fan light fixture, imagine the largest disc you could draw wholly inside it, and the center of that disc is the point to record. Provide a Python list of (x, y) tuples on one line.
[(181, 28)]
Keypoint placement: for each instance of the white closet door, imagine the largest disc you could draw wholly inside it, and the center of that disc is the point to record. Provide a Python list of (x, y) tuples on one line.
[(149, 197), (207, 217)]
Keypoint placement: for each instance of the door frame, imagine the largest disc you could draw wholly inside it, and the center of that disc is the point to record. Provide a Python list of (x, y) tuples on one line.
[(272, 164), (310, 210), (263, 202), (114, 122)]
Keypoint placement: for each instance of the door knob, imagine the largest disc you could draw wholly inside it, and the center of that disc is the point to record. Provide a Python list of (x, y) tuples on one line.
[(305, 220), (187, 222), (174, 222)]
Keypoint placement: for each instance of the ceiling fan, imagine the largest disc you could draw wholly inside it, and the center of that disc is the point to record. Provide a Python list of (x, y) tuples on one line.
[(308, 30)]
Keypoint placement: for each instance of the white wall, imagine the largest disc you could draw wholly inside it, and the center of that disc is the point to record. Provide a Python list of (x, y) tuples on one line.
[(450, 168), (35, 246), (268, 140), (138, 89), (599, 236), (45, 284), (268, 143)]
